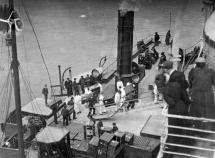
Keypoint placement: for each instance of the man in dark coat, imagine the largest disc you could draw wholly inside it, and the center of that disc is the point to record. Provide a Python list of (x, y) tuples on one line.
[(130, 99), (176, 97), (179, 77), (65, 114), (99, 126), (162, 59), (174, 75), (201, 81), (87, 81), (75, 86), (115, 128), (45, 92), (156, 38), (168, 37), (68, 86), (82, 83), (72, 109), (92, 109)]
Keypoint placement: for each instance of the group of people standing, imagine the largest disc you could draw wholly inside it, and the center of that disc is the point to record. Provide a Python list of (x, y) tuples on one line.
[(194, 97), (121, 97), (78, 87)]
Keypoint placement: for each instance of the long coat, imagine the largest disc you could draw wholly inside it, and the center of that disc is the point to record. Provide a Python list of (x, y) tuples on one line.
[(178, 103), (202, 81), (179, 77), (176, 98)]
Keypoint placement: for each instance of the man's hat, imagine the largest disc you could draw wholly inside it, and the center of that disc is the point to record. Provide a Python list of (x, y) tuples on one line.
[(200, 60), (167, 65)]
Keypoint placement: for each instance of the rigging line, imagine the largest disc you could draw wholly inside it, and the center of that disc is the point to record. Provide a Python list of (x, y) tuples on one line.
[(114, 38), (2, 42), (9, 57), (38, 43), (34, 108), (19, 5), (33, 105), (195, 44), (28, 90), (27, 84), (4, 98), (5, 84), (6, 104), (26, 56)]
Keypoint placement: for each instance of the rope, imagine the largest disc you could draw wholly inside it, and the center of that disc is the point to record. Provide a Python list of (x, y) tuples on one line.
[(32, 96), (26, 56), (113, 40), (193, 45), (38, 43), (7, 94)]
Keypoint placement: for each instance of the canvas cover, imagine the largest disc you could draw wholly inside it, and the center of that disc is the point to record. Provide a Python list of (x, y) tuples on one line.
[(37, 107)]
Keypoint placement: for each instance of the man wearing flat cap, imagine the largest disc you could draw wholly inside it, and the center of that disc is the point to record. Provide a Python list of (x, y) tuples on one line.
[(202, 80)]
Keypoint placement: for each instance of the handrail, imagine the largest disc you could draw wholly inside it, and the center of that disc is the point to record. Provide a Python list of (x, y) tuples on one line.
[(193, 45), (182, 154), (105, 69), (166, 134), (111, 64), (190, 147), (185, 117)]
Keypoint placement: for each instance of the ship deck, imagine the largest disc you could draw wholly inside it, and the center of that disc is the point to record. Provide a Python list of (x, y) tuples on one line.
[(146, 117)]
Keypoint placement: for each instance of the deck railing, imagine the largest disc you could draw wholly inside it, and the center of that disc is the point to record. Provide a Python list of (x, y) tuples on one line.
[(112, 66), (194, 148)]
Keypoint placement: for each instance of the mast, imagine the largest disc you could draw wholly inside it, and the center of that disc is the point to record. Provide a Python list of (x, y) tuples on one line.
[(15, 65)]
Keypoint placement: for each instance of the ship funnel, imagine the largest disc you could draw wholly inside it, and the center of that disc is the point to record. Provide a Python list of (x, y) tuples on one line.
[(125, 44)]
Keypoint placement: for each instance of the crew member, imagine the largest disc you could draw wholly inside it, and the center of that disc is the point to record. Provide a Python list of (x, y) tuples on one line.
[(162, 59), (156, 38), (99, 127), (119, 85), (159, 85), (82, 83), (168, 37), (68, 86), (87, 80), (115, 128), (72, 108), (65, 114), (202, 79), (45, 92), (117, 99), (123, 96), (130, 98), (102, 108), (92, 109), (75, 86)]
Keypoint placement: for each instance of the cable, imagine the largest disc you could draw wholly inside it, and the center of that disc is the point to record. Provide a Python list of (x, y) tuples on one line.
[(7, 94), (193, 44), (38, 43), (31, 94)]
